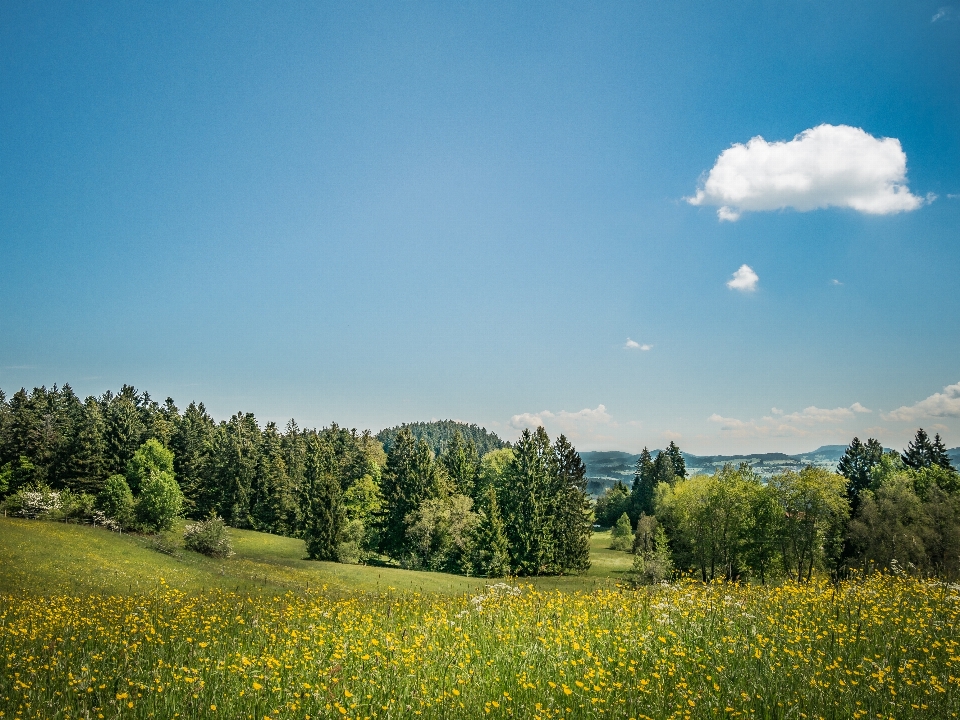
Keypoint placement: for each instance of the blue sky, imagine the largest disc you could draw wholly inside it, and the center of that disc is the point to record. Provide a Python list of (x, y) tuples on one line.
[(377, 213)]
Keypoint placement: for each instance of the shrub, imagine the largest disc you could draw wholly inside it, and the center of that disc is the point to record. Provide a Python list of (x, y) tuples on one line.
[(115, 501), (655, 564), (621, 537), (34, 501), (208, 537)]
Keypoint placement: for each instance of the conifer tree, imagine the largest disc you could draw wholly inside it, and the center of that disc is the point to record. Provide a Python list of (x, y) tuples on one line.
[(571, 519), (938, 454), (462, 463), (919, 453), (676, 460), (492, 556), (855, 465), (621, 536), (410, 477), (527, 505), (88, 464), (321, 504), (644, 484)]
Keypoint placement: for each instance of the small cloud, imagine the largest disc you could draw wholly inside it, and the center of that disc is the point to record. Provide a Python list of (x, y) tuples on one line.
[(671, 435), (804, 423), (589, 424), (858, 408), (953, 196), (744, 279), (835, 282), (938, 405), (825, 166), (634, 345), (776, 411), (944, 13)]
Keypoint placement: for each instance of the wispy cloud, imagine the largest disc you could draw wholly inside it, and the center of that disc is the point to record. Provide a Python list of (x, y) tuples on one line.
[(744, 279), (590, 425), (634, 345), (835, 282), (796, 424), (938, 405), (828, 165), (944, 13)]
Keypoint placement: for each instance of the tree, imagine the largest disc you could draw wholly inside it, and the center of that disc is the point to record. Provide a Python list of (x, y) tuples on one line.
[(160, 501), (938, 454), (323, 518), (149, 459), (615, 501), (919, 452), (88, 463), (116, 501), (461, 462), (855, 465), (676, 460), (571, 516), (527, 505), (653, 562), (494, 467), (410, 477), (644, 486), (491, 558), (664, 470), (192, 442), (621, 536), (440, 534)]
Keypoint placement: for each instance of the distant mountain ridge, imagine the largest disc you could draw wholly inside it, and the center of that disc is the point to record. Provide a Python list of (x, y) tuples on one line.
[(440, 432), (605, 467)]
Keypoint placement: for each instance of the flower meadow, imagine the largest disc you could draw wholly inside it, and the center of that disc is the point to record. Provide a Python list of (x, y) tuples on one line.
[(883, 647)]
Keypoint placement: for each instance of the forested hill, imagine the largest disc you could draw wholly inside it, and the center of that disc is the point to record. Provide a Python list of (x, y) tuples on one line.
[(440, 432)]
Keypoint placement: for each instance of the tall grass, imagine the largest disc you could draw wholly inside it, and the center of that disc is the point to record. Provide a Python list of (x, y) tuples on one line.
[(882, 647)]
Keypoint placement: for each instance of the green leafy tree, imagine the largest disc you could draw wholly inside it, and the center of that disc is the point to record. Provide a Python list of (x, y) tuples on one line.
[(615, 501), (621, 536), (653, 561), (938, 454), (150, 458), (494, 469), (440, 533), (192, 442), (160, 501), (116, 500)]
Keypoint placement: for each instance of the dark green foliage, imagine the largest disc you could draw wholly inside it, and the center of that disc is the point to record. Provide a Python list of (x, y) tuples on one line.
[(856, 464), (677, 463), (922, 453), (192, 442), (208, 537), (323, 518), (644, 485), (235, 459), (462, 464), (440, 433), (491, 558), (612, 504), (545, 507)]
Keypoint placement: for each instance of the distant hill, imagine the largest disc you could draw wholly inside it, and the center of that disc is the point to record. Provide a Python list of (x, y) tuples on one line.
[(440, 432), (955, 457), (604, 468)]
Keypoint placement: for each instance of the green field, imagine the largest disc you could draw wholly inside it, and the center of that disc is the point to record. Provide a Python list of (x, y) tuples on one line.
[(98, 625), (44, 557)]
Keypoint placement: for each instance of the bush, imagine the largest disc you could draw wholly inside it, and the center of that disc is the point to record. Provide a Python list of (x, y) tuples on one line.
[(621, 537), (655, 564), (115, 501), (34, 502), (160, 501), (208, 537)]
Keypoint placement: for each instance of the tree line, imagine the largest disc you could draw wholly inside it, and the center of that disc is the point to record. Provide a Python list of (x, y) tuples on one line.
[(881, 509), (140, 463)]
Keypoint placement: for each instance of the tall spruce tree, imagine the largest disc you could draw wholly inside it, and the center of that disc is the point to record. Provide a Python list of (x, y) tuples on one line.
[(855, 465), (676, 459), (938, 454), (644, 484), (571, 520), (527, 504), (492, 558), (462, 463), (919, 452), (192, 443), (410, 477), (88, 464), (321, 504)]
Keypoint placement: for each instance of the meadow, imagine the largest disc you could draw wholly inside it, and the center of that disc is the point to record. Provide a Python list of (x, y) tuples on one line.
[(95, 625)]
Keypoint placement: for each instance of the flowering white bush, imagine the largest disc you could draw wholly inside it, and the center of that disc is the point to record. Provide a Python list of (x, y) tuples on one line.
[(38, 503), (208, 537)]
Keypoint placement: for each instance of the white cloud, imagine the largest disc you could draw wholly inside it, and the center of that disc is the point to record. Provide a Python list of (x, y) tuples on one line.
[(945, 404), (835, 282), (744, 279), (589, 425), (804, 423), (829, 165), (943, 13), (634, 345)]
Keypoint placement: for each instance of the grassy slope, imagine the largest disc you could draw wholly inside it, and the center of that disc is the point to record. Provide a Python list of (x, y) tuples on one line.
[(45, 557)]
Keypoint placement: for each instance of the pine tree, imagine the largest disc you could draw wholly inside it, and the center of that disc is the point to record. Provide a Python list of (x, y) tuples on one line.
[(855, 465), (462, 463), (644, 484), (88, 462), (571, 520), (919, 453), (492, 556), (664, 469), (938, 454), (676, 459), (192, 443), (527, 505), (410, 477), (321, 504)]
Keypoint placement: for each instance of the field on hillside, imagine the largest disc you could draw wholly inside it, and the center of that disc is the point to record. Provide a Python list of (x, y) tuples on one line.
[(92, 625)]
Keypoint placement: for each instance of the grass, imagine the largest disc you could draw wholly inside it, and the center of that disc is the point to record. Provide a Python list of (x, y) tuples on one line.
[(88, 629), (44, 557)]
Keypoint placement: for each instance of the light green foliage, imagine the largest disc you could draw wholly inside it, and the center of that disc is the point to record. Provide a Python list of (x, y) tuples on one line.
[(159, 502), (208, 537), (116, 501), (150, 458), (440, 534), (362, 503), (493, 469), (653, 562), (621, 537)]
